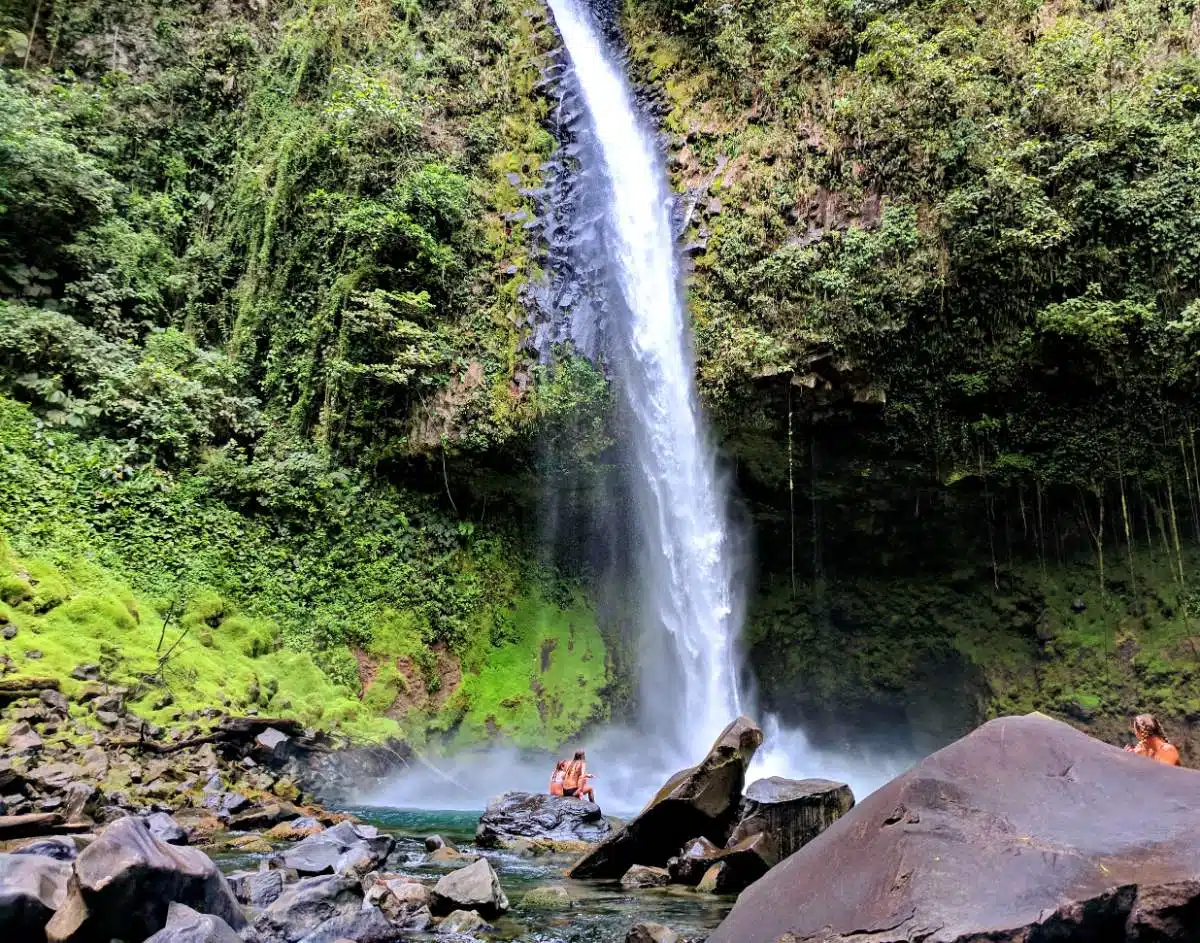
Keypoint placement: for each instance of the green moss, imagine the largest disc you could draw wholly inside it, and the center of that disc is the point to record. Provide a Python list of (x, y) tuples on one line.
[(542, 684)]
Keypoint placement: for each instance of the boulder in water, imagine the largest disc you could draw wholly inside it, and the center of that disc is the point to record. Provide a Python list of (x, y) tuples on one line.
[(32, 888), (326, 851), (518, 815), (475, 887), (699, 801), (696, 857), (306, 907), (461, 922), (126, 880), (651, 933), (548, 897), (185, 925), (1024, 830), (792, 811), (641, 875)]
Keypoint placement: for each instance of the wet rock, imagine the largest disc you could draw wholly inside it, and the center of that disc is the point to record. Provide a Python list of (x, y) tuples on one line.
[(434, 842), (32, 888), (22, 738), (125, 881), (60, 849), (166, 829), (265, 816), (959, 843), (651, 933), (550, 897), (56, 701), (257, 889), (462, 922), (529, 815), (76, 799), (475, 887), (402, 900), (641, 875), (306, 906), (696, 857), (700, 801), (295, 830), (447, 856), (185, 925), (321, 854)]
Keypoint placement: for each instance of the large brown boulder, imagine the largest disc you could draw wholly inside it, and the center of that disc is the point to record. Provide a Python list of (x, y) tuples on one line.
[(126, 880), (701, 801), (792, 811), (1026, 830)]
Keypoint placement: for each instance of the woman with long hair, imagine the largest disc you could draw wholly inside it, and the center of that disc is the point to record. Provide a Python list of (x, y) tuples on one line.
[(575, 780)]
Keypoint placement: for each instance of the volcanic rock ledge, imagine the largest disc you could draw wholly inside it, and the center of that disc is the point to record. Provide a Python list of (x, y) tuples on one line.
[(1025, 831)]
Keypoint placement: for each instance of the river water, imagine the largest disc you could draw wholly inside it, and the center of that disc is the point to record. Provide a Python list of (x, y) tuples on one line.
[(603, 911)]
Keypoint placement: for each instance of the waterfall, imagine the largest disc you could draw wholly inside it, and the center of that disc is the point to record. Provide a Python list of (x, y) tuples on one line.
[(690, 607)]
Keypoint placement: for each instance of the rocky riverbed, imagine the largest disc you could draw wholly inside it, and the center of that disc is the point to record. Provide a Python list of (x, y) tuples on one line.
[(207, 835)]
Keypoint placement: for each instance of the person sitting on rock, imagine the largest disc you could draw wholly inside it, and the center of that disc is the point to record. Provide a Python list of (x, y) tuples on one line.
[(575, 781), (1152, 742), (556, 778)]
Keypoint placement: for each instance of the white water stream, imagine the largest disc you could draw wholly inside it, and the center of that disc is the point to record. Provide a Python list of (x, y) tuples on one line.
[(691, 605)]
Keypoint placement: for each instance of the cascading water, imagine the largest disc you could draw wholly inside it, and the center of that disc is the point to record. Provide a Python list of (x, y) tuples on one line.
[(691, 610), (614, 292)]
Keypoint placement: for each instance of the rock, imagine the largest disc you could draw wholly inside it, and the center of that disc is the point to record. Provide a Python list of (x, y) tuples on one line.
[(125, 881), (746, 862), (166, 829), (305, 906), (713, 880), (76, 799), (9, 633), (86, 672), (250, 845), (60, 849), (434, 842), (321, 853), (266, 816), (272, 741), (108, 718), (32, 825), (700, 801), (446, 856), (475, 887), (95, 763), (462, 922), (33, 654), (550, 897), (696, 857), (185, 925), (22, 738), (56, 776), (641, 875), (257, 889), (529, 815), (32, 888), (1024, 830), (14, 689), (792, 811), (303, 827), (401, 900), (651, 933), (359, 859), (56, 701), (362, 926)]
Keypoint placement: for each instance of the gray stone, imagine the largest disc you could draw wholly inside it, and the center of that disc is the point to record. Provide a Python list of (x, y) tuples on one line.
[(401, 900), (76, 798), (56, 776), (362, 926), (166, 829), (108, 718), (533, 815), (651, 933), (185, 925), (475, 887), (641, 875), (126, 880), (32, 888), (10, 632), (321, 853), (792, 811), (272, 741), (434, 842), (307, 905), (56, 701), (462, 922), (22, 738), (86, 673), (60, 849), (257, 889)]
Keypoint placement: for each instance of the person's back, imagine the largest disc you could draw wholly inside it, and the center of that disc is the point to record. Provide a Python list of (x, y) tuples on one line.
[(1152, 741), (558, 777), (575, 780)]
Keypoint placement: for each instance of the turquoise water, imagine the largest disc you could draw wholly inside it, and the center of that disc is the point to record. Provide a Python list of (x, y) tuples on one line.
[(603, 910)]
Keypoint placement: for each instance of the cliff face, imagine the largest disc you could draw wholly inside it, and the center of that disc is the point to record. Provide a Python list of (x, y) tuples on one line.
[(269, 309)]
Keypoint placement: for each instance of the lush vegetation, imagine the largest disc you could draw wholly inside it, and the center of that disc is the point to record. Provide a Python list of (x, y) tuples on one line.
[(264, 360), (255, 348)]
